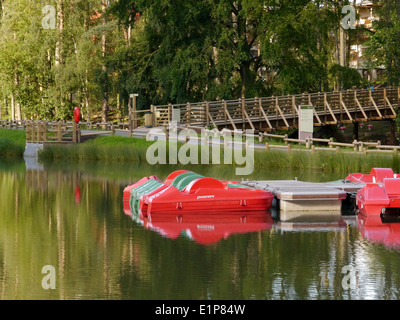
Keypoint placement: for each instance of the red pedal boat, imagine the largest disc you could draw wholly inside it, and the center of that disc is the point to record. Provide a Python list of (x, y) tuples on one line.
[(375, 176), (188, 192), (380, 201)]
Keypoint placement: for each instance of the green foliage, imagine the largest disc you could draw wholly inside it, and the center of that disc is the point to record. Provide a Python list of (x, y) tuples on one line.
[(347, 77), (383, 46), (174, 52)]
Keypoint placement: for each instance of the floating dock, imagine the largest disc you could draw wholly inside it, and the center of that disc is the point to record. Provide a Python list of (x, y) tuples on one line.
[(295, 199)]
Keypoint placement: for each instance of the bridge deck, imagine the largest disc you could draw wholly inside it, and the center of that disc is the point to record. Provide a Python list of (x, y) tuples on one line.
[(282, 112)]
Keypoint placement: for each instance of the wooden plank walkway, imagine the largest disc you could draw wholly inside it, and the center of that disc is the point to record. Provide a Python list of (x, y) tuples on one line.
[(299, 190)]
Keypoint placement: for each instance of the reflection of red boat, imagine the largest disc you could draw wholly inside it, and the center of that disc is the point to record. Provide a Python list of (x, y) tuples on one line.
[(206, 228), (375, 230), (188, 192), (376, 175), (380, 200)]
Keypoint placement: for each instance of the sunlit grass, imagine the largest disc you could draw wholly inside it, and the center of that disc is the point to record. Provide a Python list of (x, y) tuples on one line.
[(115, 148), (12, 143)]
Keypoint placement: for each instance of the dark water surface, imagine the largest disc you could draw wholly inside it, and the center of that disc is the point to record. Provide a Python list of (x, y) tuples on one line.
[(72, 218)]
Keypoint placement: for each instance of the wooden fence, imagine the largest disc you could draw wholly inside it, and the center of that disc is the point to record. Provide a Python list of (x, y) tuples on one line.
[(70, 132)]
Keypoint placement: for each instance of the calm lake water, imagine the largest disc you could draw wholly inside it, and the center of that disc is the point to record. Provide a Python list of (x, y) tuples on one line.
[(71, 217)]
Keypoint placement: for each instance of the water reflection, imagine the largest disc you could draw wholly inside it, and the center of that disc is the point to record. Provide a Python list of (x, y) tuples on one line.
[(375, 230), (72, 218), (206, 228)]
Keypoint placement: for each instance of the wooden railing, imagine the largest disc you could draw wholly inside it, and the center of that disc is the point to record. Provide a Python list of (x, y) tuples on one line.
[(52, 132), (282, 112), (270, 113), (69, 132)]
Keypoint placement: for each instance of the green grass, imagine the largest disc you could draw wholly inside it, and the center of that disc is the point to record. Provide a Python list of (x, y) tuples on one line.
[(326, 161), (106, 148), (12, 143), (116, 148)]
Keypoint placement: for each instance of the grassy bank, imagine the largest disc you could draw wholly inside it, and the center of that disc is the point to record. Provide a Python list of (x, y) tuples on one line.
[(327, 161), (106, 148), (114, 148), (12, 143), (122, 149)]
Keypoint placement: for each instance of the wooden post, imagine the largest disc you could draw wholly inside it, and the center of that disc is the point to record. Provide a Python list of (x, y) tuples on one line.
[(153, 117), (130, 125), (398, 96), (44, 131), (74, 139), (225, 111), (59, 134), (207, 113), (294, 109), (189, 113), (169, 112), (27, 132), (135, 120), (384, 101), (243, 111), (355, 144), (33, 132), (38, 132)]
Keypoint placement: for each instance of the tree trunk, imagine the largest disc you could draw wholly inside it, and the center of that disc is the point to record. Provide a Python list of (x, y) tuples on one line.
[(12, 107), (104, 68), (18, 105), (16, 83), (60, 28), (85, 91), (2, 8), (342, 45), (5, 107)]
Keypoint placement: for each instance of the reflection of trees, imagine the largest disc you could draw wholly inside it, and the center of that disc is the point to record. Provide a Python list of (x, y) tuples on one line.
[(41, 224), (98, 252)]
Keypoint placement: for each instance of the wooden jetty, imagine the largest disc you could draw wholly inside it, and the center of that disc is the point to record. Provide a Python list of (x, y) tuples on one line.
[(296, 199)]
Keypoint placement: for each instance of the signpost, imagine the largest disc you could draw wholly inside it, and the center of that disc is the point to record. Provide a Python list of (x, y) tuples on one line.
[(306, 122)]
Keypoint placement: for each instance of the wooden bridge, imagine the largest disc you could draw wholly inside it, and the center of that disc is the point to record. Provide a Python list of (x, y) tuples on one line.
[(280, 112), (260, 114)]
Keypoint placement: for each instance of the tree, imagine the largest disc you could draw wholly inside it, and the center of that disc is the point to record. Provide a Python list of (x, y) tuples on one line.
[(383, 46)]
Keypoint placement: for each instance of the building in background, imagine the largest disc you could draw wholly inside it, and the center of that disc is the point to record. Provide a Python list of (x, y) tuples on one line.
[(367, 13)]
